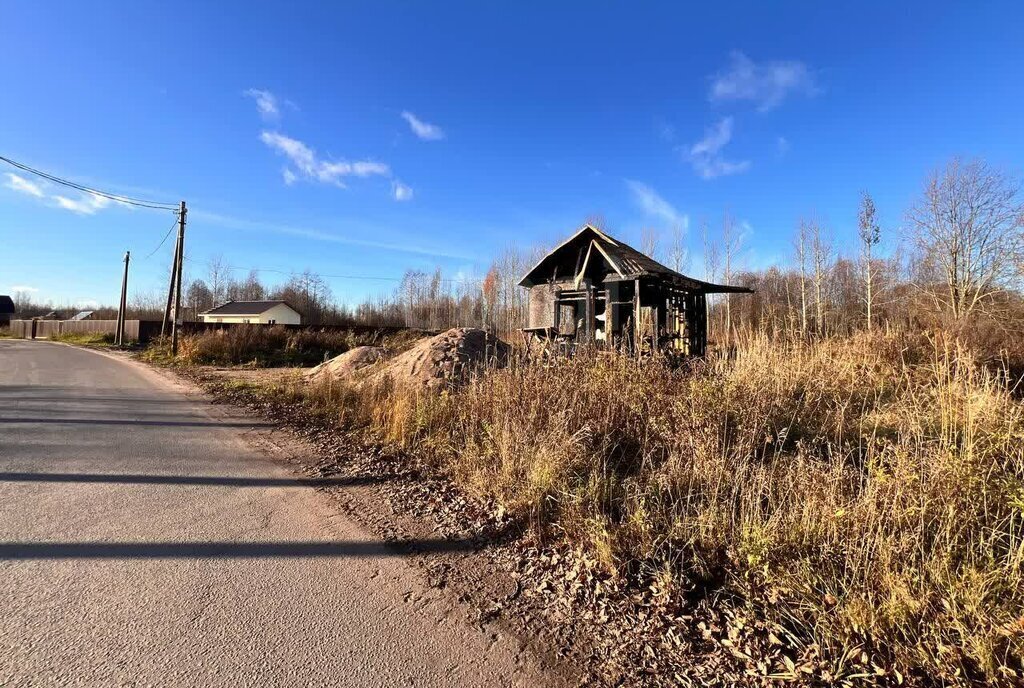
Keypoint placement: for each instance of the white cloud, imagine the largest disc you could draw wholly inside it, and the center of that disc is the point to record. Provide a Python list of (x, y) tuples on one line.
[(305, 161), (289, 176), (427, 132), (86, 204), (401, 191), (266, 103), (767, 84), (23, 288), (782, 145), (706, 155), (22, 185), (654, 205)]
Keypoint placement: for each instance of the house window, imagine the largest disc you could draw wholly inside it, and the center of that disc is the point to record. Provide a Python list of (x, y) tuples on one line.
[(272, 321), (245, 321)]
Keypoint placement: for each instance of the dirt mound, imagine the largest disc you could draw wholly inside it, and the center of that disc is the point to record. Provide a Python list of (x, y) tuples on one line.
[(447, 358), (348, 363)]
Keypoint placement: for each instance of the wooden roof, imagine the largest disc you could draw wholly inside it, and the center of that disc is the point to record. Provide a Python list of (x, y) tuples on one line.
[(566, 262)]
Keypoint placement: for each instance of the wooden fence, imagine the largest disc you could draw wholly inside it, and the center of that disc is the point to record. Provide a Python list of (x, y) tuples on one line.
[(44, 329)]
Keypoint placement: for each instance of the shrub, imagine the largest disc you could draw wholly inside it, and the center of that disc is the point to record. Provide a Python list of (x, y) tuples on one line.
[(264, 346)]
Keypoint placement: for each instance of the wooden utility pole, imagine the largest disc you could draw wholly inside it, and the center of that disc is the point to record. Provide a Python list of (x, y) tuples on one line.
[(180, 252), (122, 306), (170, 293)]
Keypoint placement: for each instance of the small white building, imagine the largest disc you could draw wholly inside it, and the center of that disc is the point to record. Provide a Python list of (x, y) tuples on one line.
[(254, 312)]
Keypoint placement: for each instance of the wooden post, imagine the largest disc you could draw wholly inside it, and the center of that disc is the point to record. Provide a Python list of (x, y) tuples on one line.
[(637, 325), (177, 280), (170, 293), (589, 321), (123, 304), (654, 328), (609, 318)]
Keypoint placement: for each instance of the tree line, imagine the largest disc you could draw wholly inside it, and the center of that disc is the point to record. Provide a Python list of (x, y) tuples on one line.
[(955, 261)]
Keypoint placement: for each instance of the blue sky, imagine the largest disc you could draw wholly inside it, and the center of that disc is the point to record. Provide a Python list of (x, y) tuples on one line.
[(367, 138)]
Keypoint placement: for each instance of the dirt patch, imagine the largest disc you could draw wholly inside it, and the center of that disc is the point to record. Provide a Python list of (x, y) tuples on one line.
[(348, 363), (448, 358)]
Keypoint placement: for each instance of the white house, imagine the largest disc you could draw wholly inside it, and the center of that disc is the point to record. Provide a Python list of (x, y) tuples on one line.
[(255, 312)]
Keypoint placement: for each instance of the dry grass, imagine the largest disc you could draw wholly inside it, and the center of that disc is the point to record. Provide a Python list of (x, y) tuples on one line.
[(84, 338), (861, 496), (262, 346)]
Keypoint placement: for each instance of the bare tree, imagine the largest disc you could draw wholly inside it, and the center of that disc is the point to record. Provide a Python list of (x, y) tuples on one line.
[(870, 235), (199, 297), (801, 244), (821, 258), (968, 233), (712, 257), (650, 238), (732, 242), (218, 275), (677, 248), (252, 289)]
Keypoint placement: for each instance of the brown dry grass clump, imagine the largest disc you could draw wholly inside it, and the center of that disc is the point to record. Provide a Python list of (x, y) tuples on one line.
[(276, 346), (863, 496)]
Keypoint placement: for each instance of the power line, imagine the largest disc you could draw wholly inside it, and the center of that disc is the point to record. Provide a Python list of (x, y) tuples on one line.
[(156, 205), (173, 225)]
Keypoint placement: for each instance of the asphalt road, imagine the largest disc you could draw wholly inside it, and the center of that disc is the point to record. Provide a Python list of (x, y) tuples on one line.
[(144, 541)]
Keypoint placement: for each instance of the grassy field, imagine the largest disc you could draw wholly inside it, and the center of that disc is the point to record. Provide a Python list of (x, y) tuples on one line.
[(862, 498)]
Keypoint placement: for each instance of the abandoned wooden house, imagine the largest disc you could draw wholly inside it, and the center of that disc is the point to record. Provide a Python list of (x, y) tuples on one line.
[(596, 289)]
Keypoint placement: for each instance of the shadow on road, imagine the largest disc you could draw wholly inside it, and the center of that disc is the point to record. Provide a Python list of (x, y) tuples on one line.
[(14, 551), (215, 480), (80, 398), (107, 421)]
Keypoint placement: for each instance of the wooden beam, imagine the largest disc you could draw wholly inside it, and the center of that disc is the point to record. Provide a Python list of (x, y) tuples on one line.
[(583, 269), (609, 259), (636, 317)]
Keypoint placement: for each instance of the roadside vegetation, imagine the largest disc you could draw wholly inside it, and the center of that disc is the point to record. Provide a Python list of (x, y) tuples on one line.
[(861, 497), (260, 347), (84, 338), (836, 494)]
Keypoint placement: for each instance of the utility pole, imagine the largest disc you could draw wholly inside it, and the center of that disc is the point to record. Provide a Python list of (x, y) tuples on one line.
[(170, 293), (119, 335), (177, 279)]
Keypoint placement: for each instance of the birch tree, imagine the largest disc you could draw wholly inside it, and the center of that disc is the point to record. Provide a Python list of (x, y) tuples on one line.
[(821, 251), (801, 245), (870, 236)]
